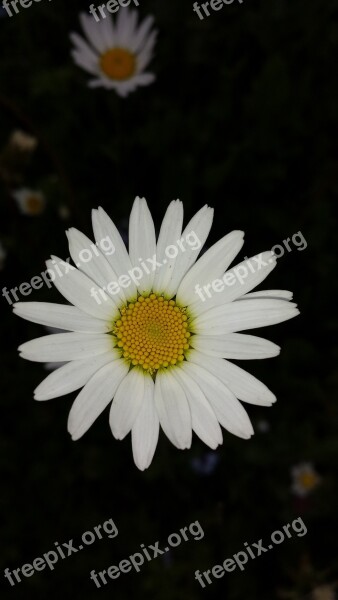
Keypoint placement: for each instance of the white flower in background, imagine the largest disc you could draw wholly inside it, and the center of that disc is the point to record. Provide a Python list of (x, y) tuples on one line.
[(23, 141), (155, 348), (263, 426), (304, 479), (324, 592), (30, 202), (64, 212), (116, 53), (3, 255)]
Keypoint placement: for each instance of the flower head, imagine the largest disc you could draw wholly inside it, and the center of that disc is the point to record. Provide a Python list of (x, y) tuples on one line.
[(116, 53), (23, 142), (140, 335), (304, 479), (30, 202)]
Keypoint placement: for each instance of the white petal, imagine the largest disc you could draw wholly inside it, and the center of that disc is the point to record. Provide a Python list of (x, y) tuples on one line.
[(118, 257), (97, 267), (199, 227), (61, 316), (277, 294), (127, 403), (203, 418), (66, 346), (81, 291), (210, 266), (173, 410), (142, 79), (72, 376), (170, 233), (101, 81), (246, 314), (142, 243), (125, 27), (245, 387), (81, 60), (146, 54), (229, 412), (235, 345), (94, 32), (108, 32), (140, 36), (237, 281), (145, 430), (94, 397), (81, 47), (51, 366)]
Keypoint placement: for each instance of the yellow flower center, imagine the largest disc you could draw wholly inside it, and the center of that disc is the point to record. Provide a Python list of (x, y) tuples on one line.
[(308, 480), (153, 333), (118, 63), (34, 205)]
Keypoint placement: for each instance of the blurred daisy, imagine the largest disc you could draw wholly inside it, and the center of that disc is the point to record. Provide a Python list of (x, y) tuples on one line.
[(19, 140), (263, 426), (116, 54), (3, 255), (324, 592), (64, 212), (30, 202), (152, 346), (304, 479)]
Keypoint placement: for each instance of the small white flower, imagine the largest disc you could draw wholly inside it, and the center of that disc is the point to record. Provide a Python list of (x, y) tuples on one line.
[(3, 255), (155, 348), (304, 479), (23, 141), (30, 202), (263, 426), (64, 212), (324, 592), (116, 54)]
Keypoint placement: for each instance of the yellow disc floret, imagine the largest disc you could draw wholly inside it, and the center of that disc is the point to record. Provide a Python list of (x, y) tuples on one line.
[(152, 332), (308, 480), (118, 63)]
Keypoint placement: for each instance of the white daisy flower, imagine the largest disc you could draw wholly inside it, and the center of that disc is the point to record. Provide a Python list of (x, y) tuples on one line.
[(154, 348), (304, 479), (22, 141), (30, 202), (116, 54)]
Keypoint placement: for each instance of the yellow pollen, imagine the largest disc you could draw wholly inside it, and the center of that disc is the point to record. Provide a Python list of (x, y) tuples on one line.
[(308, 480), (118, 63), (34, 205), (152, 333)]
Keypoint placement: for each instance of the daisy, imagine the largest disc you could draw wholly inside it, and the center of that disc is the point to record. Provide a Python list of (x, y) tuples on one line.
[(30, 202), (304, 479), (19, 140), (154, 348), (116, 54)]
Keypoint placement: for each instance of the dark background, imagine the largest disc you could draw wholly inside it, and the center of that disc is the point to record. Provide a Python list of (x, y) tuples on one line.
[(243, 116)]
